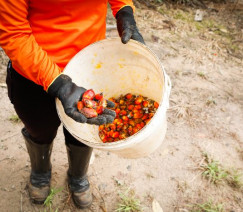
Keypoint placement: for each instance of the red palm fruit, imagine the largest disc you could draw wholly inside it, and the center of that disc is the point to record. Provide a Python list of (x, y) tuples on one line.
[(112, 100), (99, 109), (132, 123), (138, 126), (103, 102), (119, 121), (128, 96), (137, 115), (112, 127), (105, 140), (80, 105), (138, 100), (111, 133), (135, 130), (89, 94), (125, 118), (102, 135), (129, 130), (130, 107), (135, 110), (151, 115), (101, 127), (145, 103), (122, 135), (98, 96), (117, 110), (138, 107), (89, 103), (123, 107), (115, 135), (145, 116), (123, 112), (156, 105), (110, 140), (119, 127), (88, 112)]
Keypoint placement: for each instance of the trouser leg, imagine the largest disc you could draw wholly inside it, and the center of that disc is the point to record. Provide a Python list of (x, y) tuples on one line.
[(38, 113)]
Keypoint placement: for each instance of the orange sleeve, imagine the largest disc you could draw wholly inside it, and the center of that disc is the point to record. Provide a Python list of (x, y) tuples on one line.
[(116, 5), (19, 44)]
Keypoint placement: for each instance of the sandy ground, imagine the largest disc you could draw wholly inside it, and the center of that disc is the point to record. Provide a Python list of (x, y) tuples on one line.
[(206, 116)]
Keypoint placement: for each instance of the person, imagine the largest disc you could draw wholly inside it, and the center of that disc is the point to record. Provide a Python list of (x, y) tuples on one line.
[(40, 37)]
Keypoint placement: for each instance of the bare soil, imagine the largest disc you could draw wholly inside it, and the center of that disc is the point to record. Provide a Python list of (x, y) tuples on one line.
[(204, 61)]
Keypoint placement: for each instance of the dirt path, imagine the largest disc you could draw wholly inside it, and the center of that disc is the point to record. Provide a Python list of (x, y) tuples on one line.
[(205, 118)]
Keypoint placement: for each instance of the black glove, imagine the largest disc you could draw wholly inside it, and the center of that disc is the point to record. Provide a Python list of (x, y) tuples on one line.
[(126, 25), (69, 94)]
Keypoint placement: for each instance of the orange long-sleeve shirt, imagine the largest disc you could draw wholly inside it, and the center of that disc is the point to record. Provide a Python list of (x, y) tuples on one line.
[(41, 36)]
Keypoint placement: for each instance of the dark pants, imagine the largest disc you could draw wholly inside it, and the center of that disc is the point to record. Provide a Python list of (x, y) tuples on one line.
[(36, 108)]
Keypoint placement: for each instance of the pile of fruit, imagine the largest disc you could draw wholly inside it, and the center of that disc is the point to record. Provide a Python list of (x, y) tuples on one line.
[(132, 114), (91, 104)]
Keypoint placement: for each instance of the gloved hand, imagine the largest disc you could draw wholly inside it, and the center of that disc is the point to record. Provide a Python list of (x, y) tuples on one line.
[(126, 25), (69, 94)]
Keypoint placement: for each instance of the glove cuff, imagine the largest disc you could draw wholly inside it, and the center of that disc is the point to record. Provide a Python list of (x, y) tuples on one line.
[(125, 11), (58, 83)]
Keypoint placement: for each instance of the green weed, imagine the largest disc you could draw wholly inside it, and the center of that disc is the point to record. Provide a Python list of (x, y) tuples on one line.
[(49, 200), (14, 118), (128, 202), (213, 171), (234, 179), (207, 207)]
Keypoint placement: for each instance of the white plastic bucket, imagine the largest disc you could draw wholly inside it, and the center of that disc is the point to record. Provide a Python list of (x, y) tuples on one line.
[(113, 68)]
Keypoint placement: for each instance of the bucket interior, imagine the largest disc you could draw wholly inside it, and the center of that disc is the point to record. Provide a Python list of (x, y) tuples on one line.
[(113, 68)]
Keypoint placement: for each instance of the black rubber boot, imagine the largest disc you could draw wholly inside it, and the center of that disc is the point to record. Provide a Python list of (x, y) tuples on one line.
[(40, 155), (78, 158)]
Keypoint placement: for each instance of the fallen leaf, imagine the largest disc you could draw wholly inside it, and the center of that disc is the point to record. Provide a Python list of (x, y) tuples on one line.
[(156, 206)]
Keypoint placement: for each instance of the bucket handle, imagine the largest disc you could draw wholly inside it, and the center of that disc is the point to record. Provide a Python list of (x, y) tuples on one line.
[(168, 89)]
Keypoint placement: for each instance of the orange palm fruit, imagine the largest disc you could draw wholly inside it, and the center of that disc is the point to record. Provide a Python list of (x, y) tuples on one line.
[(103, 102), (145, 103), (132, 123), (80, 105), (130, 107), (138, 100), (98, 96), (145, 116), (138, 107), (123, 112), (156, 105), (137, 115), (115, 135), (101, 127), (117, 110), (125, 118), (128, 96), (100, 109), (112, 127)]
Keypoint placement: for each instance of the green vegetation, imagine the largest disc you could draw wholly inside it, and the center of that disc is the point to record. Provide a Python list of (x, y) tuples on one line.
[(49, 200), (207, 207), (14, 118), (215, 173), (128, 202)]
